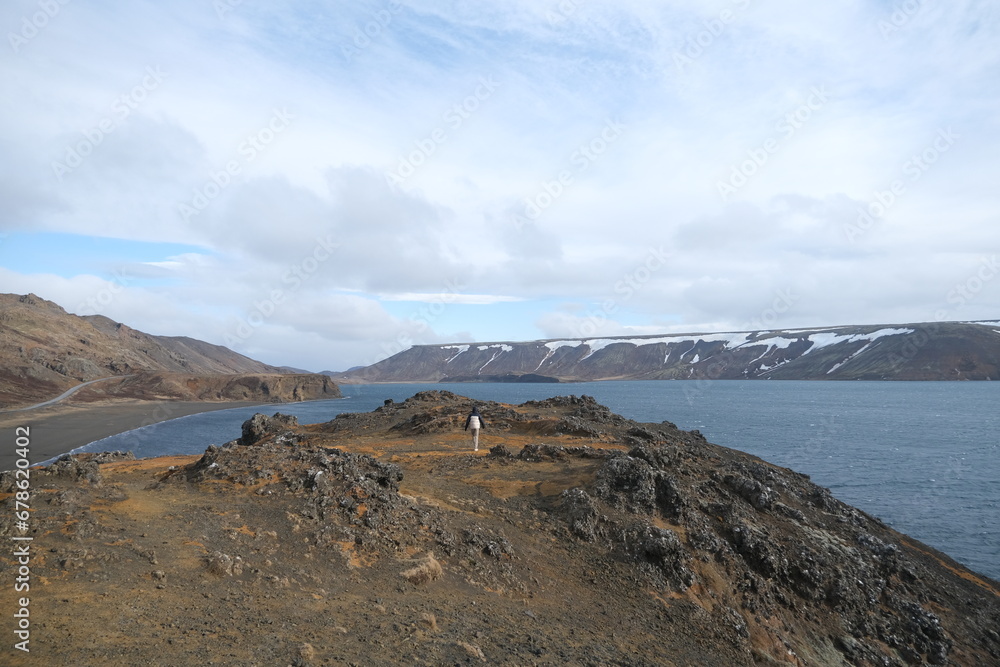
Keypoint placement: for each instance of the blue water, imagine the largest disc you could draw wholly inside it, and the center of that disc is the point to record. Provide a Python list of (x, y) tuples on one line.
[(922, 456)]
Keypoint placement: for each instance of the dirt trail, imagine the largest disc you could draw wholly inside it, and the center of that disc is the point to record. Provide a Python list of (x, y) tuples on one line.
[(66, 394)]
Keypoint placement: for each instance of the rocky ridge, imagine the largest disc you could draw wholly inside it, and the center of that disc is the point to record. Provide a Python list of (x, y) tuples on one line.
[(271, 387), (924, 351), (579, 537)]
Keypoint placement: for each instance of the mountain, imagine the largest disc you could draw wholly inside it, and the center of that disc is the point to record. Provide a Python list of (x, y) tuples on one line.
[(349, 370), (44, 351), (927, 351), (380, 538), (293, 369)]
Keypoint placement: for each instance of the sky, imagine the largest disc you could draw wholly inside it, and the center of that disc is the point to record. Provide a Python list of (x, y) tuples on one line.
[(325, 184)]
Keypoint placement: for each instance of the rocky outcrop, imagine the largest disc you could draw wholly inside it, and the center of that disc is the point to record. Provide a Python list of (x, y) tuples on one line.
[(260, 426), (687, 513), (927, 351), (375, 539)]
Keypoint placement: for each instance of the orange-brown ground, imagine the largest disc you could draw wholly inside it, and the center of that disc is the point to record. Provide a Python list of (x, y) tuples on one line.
[(291, 546)]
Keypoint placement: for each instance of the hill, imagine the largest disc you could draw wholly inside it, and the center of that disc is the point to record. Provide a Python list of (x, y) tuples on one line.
[(275, 388), (927, 351), (44, 351), (580, 538)]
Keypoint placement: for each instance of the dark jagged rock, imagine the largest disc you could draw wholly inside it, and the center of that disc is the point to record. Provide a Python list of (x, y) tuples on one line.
[(564, 401), (628, 483), (260, 426), (662, 458), (662, 548), (436, 396), (84, 466), (550, 452), (501, 452), (755, 493), (481, 542), (581, 513)]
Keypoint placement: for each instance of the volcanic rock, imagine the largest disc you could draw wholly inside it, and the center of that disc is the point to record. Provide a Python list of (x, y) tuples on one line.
[(372, 539)]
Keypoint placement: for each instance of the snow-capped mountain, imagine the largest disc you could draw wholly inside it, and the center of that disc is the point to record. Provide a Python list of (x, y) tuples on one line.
[(927, 351)]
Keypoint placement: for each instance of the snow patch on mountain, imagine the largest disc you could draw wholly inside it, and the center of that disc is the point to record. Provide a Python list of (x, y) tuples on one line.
[(825, 339), (460, 348)]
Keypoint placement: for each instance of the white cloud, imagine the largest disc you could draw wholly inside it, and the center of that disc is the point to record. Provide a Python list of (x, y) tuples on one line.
[(451, 297), (306, 209)]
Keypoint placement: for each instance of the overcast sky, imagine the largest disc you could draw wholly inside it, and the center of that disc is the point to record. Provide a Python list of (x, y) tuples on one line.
[(321, 184)]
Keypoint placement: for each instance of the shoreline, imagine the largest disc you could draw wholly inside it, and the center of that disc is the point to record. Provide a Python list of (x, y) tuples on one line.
[(61, 428)]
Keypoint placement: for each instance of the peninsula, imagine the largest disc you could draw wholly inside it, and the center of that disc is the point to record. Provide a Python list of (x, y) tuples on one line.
[(380, 538)]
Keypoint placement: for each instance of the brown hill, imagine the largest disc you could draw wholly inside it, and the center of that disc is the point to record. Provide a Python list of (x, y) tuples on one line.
[(275, 388), (380, 539), (44, 351)]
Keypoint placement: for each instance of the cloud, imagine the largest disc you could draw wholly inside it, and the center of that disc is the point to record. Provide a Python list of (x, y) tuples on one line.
[(577, 322), (450, 297), (263, 138)]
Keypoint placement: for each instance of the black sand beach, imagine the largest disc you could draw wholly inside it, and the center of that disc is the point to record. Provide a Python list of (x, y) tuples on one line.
[(60, 428)]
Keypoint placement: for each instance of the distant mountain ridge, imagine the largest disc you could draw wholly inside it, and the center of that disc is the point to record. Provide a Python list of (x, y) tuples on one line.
[(44, 350), (923, 351)]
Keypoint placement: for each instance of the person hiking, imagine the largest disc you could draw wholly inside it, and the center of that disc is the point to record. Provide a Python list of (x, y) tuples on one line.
[(475, 421)]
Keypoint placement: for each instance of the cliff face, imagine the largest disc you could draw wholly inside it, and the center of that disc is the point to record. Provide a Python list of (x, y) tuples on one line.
[(929, 351), (44, 350), (275, 388), (580, 537)]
